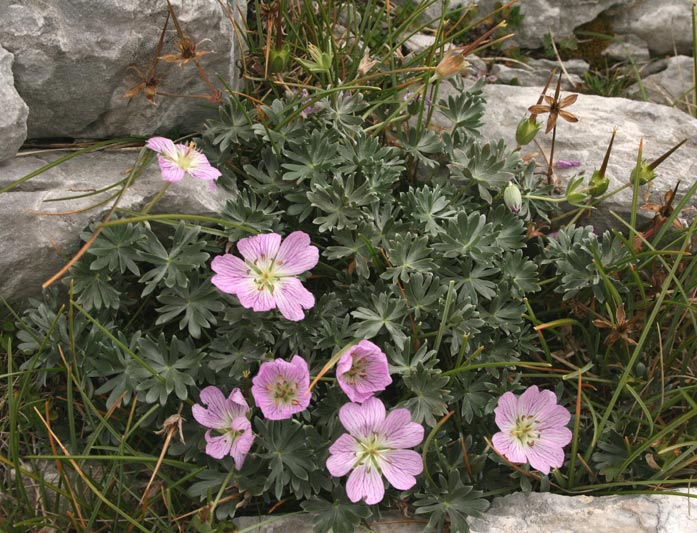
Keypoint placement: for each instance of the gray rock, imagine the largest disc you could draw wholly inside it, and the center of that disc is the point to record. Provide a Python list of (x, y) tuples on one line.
[(665, 25), (558, 17), (672, 86), (532, 513), (536, 71), (13, 120), (625, 47), (36, 246), (419, 42), (586, 141), (75, 60), (543, 512)]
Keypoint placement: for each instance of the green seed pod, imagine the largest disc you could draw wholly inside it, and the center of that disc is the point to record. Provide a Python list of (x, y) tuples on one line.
[(598, 184), (526, 131), (279, 60), (642, 173), (512, 197)]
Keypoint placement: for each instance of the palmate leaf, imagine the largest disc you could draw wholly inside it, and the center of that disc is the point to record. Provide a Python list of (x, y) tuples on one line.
[(430, 399), (233, 127), (408, 254), (288, 447), (490, 166), (313, 157), (430, 206), (178, 364), (423, 292), (509, 230), (338, 515), (464, 108), (94, 289), (341, 203), (172, 266), (197, 303), (473, 279), (386, 312), (250, 211), (379, 165), (504, 311), (468, 236), (116, 248), (452, 504), (421, 145), (352, 247), (521, 273)]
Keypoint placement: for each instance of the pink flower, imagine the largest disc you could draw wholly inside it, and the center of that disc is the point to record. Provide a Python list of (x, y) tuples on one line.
[(362, 371), (178, 159), (280, 388), (375, 446), (567, 164), (228, 416), (266, 279), (533, 429)]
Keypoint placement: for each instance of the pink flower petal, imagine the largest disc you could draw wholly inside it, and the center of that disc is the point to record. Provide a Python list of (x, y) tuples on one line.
[(506, 411), (365, 483), (231, 271), (218, 447), (161, 145), (296, 255), (510, 447), (201, 168), (342, 455), (361, 419), (291, 298), (260, 248), (558, 436), (264, 384), (170, 171), (252, 298), (400, 467), (215, 416), (543, 458), (240, 448), (400, 431)]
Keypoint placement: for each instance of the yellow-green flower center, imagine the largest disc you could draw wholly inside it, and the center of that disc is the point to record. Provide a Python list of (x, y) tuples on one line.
[(357, 370), (525, 430), (283, 391)]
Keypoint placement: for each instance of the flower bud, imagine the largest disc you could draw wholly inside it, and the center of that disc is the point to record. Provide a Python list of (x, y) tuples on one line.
[(598, 184), (642, 173), (512, 197), (526, 131), (279, 59), (453, 63)]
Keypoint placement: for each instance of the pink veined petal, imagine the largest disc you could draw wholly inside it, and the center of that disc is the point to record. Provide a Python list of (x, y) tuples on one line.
[(543, 458), (361, 419), (351, 391), (161, 145), (260, 248), (296, 255), (510, 447), (377, 377), (554, 416), (365, 483), (243, 443), (252, 298), (300, 372), (342, 456), (218, 447), (400, 467), (291, 298), (546, 404), (506, 411), (529, 400), (559, 436), (201, 168), (170, 171), (230, 271), (237, 398), (398, 431), (216, 415)]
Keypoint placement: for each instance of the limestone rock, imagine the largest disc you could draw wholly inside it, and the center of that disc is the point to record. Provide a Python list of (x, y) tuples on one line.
[(624, 47), (75, 60), (543, 512), (13, 119), (36, 246), (536, 71), (558, 17), (586, 141), (672, 86), (665, 25)]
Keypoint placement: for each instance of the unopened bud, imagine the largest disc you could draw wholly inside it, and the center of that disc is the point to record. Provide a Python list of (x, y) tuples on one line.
[(278, 60), (453, 63), (526, 131), (512, 197), (598, 184)]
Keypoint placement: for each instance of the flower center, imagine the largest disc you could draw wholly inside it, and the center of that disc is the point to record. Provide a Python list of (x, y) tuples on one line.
[(284, 392), (183, 157), (265, 278), (525, 430), (357, 370), (370, 451)]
